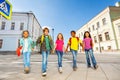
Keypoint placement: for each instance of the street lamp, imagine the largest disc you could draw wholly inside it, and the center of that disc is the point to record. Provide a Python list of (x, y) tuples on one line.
[(53, 34), (98, 41)]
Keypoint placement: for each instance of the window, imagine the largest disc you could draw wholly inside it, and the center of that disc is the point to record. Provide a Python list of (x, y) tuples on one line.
[(12, 26), (97, 48), (104, 21), (1, 42), (93, 27), (100, 37), (102, 48), (95, 39), (89, 30), (98, 25), (109, 47), (107, 36), (81, 34), (21, 26), (119, 29), (3, 26)]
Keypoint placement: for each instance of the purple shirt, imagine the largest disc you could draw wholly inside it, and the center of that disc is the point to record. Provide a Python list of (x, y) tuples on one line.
[(87, 42), (60, 44)]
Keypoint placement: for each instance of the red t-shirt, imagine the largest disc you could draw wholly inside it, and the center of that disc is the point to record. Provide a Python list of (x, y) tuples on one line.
[(59, 44)]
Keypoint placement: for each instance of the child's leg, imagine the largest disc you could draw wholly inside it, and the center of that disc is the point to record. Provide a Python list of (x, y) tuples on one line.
[(25, 59), (44, 61), (47, 53), (92, 57), (28, 58), (87, 58), (74, 53), (59, 58)]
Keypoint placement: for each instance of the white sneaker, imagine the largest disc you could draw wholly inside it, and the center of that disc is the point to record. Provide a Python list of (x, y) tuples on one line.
[(60, 69), (44, 74)]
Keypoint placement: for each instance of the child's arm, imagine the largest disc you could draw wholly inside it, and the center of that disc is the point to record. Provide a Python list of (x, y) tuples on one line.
[(38, 40), (92, 44), (68, 45), (83, 46), (54, 48), (63, 48), (21, 43)]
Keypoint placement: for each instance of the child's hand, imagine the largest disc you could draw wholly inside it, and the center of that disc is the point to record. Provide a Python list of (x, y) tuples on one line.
[(83, 49), (66, 50), (32, 49)]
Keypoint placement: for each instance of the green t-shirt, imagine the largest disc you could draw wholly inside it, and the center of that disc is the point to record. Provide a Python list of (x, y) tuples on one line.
[(47, 42)]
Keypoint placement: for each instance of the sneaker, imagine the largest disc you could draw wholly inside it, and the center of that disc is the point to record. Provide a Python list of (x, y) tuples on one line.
[(74, 68), (26, 70), (88, 66), (60, 69), (96, 66), (44, 74)]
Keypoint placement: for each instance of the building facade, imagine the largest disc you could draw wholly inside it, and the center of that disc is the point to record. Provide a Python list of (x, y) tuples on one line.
[(104, 29), (11, 30)]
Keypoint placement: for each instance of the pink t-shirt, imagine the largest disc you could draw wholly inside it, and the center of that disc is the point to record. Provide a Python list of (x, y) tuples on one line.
[(59, 44), (87, 42)]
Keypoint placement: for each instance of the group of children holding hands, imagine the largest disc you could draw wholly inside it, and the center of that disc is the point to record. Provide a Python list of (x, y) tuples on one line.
[(47, 46)]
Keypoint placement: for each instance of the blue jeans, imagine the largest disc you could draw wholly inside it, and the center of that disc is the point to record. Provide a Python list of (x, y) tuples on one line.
[(74, 53), (44, 60), (26, 59), (60, 55), (89, 54)]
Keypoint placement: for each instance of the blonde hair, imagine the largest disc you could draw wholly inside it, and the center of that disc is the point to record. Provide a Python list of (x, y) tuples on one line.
[(61, 35)]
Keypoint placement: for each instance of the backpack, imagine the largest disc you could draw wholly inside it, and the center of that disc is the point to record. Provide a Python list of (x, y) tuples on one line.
[(71, 39), (42, 38)]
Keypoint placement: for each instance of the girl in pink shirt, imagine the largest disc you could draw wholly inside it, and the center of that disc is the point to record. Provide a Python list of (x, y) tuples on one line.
[(88, 48), (59, 48)]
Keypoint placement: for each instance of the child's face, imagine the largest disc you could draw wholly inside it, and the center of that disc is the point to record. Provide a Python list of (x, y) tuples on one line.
[(46, 32), (25, 34), (87, 34), (73, 34), (59, 36)]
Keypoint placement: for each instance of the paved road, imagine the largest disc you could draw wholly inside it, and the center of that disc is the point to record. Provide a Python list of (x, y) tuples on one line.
[(11, 68)]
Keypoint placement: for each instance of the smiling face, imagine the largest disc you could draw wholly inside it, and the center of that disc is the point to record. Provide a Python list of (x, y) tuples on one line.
[(60, 36), (25, 34), (46, 31), (73, 34), (87, 35)]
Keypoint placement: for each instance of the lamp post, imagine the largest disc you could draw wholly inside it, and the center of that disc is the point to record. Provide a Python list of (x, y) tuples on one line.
[(98, 41), (53, 34)]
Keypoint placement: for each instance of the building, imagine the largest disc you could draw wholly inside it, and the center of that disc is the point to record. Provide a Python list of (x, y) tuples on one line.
[(104, 29), (11, 30)]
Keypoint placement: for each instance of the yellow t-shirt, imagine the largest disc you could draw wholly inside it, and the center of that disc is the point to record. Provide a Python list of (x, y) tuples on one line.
[(74, 43)]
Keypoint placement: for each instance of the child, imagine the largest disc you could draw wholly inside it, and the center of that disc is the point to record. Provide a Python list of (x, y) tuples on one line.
[(88, 47), (26, 44), (73, 43), (59, 47), (46, 45)]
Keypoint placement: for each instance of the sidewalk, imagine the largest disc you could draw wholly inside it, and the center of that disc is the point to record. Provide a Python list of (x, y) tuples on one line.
[(11, 68)]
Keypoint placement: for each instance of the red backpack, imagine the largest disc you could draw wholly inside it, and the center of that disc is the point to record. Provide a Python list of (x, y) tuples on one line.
[(71, 39)]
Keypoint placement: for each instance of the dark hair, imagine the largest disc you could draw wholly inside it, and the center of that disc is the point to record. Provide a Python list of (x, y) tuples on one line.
[(61, 35), (24, 32), (73, 32), (88, 33), (45, 29)]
